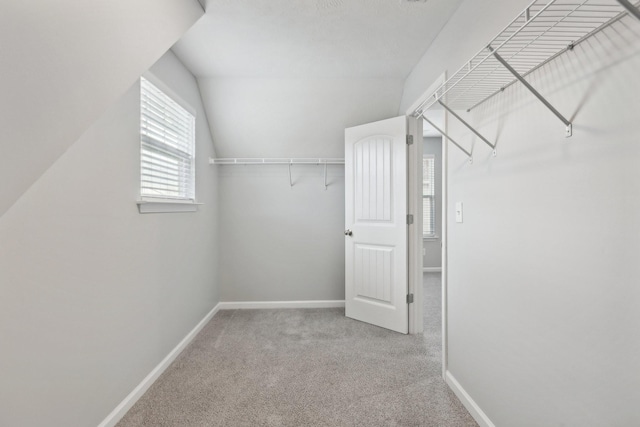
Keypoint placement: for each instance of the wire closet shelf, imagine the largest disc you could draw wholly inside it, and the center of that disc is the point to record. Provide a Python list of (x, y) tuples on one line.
[(281, 161), (539, 34)]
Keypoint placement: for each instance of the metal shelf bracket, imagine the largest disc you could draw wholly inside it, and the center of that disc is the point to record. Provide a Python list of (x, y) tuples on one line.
[(325, 176), (537, 94), (443, 133), (290, 180), (630, 8), (468, 126)]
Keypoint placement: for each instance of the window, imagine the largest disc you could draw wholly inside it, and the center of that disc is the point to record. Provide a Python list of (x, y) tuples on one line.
[(167, 144), (428, 196)]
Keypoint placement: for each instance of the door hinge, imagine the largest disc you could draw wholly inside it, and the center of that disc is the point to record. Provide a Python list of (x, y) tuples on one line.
[(409, 298), (409, 219), (409, 139)]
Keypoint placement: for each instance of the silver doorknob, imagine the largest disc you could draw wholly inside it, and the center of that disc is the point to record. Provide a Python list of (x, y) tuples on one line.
[(348, 233)]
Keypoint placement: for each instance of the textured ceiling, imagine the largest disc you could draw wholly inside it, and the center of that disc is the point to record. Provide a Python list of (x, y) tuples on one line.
[(312, 38)]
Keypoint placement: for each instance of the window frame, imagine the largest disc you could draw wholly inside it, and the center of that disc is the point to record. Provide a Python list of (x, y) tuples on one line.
[(162, 204)]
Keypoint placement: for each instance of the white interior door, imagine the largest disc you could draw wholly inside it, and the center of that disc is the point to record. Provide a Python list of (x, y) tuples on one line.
[(376, 223)]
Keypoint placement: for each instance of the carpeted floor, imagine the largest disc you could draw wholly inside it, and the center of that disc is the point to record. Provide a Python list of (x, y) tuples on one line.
[(303, 367), (432, 312)]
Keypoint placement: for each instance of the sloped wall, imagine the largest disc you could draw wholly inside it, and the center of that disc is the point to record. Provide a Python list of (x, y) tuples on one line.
[(64, 63), (293, 117), (94, 294)]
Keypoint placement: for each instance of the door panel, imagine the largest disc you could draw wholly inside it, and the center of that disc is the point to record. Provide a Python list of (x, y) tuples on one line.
[(376, 236), (373, 198), (375, 264)]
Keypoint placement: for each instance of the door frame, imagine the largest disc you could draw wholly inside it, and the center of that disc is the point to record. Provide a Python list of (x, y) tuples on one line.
[(416, 320), (414, 232)]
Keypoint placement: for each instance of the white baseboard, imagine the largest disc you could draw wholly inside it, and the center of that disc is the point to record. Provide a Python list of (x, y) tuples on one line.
[(120, 410), (473, 408), (432, 269), (233, 305)]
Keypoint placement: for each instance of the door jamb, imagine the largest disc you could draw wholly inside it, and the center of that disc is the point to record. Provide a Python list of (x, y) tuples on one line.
[(414, 208)]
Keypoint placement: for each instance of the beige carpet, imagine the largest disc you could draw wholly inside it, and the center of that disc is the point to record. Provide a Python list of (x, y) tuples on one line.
[(301, 367)]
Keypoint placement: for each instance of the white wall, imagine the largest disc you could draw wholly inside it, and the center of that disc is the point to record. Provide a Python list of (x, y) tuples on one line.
[(281, 243), (63, 64), (543, 276), (94, 294)]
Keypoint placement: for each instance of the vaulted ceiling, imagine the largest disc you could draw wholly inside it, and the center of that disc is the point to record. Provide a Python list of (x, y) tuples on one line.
[(284, 78)]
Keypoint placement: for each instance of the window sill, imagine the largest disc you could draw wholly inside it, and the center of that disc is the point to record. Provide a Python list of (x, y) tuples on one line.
[(166, 206), (434, 237)]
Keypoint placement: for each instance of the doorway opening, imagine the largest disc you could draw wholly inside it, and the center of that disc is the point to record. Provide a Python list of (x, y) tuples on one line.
[(432, 238), (431, 201), (431, 275)]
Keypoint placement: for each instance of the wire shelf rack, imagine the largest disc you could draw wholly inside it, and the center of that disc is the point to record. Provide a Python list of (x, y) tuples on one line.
[(289, 161), (539, 34)]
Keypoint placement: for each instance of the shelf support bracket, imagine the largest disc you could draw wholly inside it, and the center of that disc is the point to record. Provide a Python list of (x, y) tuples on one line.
[(468, 126), (630, 8), (290, 180), (533, 90), (325, 176), (448, 137)]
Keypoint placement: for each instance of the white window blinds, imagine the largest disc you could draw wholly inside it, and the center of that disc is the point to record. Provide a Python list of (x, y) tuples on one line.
[(167, 143), (428, 197)]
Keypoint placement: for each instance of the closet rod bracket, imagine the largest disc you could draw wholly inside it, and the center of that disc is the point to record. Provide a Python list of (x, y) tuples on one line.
[(533, 91)]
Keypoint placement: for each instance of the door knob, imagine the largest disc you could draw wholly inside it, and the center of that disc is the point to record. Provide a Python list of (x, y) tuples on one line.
[(348, 233)]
